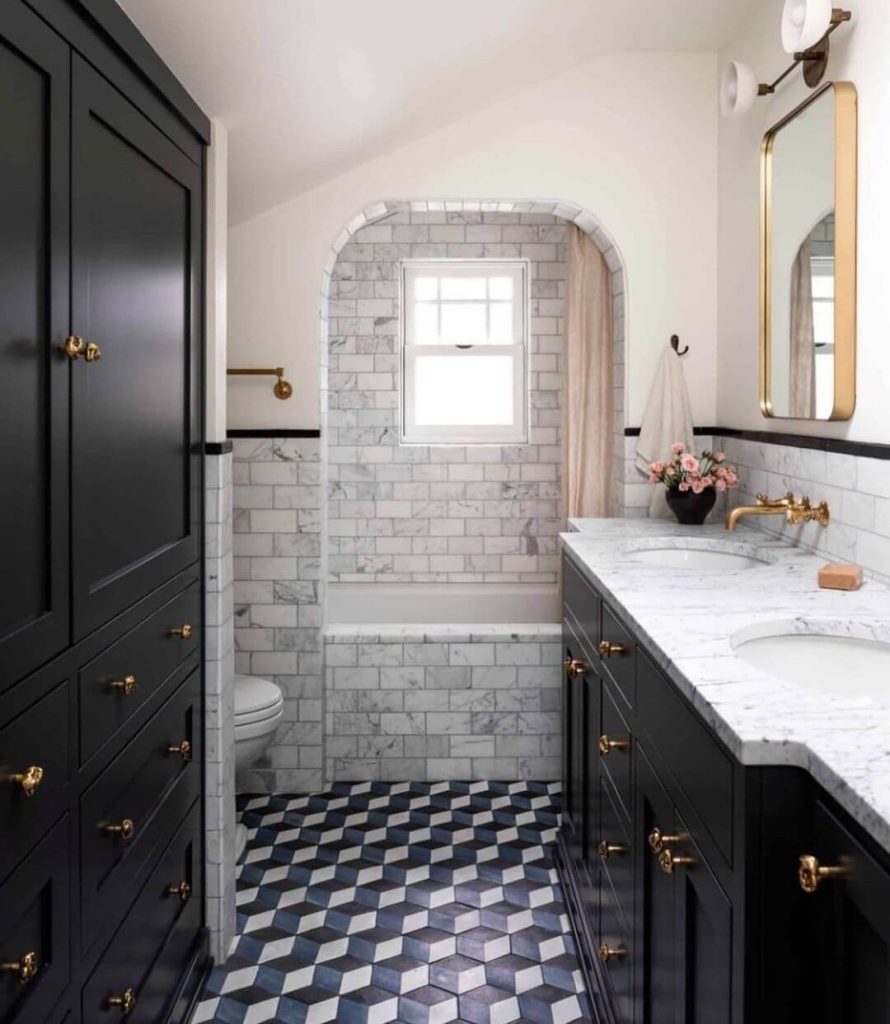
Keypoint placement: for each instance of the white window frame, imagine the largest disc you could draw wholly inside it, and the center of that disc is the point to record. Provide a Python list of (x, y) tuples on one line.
[(466, 434)]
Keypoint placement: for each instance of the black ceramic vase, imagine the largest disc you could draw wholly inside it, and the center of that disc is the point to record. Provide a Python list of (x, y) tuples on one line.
[(691, 509)]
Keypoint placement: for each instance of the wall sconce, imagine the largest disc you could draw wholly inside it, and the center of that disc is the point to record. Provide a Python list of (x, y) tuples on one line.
[(806, 26)]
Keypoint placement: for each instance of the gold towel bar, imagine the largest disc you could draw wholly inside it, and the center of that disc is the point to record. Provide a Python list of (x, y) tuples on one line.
[(281, 389)]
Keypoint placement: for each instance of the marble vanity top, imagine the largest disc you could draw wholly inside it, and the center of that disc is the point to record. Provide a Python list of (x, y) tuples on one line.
[(685, 619)]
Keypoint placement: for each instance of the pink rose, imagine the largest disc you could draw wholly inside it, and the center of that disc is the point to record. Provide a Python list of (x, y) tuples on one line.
[(719, 456), (683, 486), (656, 467), (697, 486), (677, 449), (708, 481), (720, 485), (689, 463)]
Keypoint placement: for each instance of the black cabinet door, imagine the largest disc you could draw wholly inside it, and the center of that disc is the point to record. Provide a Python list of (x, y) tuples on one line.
[(34, 210), (136, 261), (573, 710), (849, 934)]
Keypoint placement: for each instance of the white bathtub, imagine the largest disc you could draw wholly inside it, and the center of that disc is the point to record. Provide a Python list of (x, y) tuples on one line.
[(442, 603)]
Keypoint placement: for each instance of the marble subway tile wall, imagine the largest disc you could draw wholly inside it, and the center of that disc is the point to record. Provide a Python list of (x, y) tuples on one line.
[(278, 599), (856, 488), (442, 702), (219, 702)]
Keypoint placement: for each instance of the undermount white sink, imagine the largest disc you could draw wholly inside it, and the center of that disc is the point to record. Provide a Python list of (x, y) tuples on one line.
[(700, 559), (822, 662)]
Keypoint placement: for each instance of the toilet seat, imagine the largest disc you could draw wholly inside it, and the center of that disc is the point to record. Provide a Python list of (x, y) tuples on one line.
[(256, 701)]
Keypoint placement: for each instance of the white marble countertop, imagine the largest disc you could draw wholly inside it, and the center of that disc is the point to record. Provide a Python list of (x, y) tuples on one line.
[(686, 618)]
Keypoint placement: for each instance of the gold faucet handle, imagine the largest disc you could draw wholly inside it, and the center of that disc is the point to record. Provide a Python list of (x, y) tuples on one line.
[(788, 499)]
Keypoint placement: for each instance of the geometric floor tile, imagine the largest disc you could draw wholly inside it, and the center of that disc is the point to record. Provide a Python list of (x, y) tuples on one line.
[(414, 903)]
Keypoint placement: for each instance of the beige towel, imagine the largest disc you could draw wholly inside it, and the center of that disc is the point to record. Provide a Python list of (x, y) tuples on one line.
[(668, 419)]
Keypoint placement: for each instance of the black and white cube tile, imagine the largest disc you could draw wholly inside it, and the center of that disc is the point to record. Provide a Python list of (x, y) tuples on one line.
[(414, 902)]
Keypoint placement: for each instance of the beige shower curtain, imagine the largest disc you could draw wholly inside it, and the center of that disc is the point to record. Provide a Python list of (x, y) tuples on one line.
[(803, 341), (587, 382)]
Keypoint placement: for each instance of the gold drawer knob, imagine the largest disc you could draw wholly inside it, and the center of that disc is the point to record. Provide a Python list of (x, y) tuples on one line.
[(810, 873), (73, 346), (606, 849), (668, 861), (607, 649), (184, 749), (127, 686), (126, 829), (29, 780), (125, 1002), (608, 952), (574, 668), (658, 840), (24, 969), (183, 890), (92, 353), (184, 632), (607, 745)]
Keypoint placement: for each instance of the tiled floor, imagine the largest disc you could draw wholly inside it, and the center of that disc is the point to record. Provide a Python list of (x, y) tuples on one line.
[(420, 903)]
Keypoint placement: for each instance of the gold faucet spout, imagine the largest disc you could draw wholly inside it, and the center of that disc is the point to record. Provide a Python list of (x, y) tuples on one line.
[(796, 512), (764, 509)]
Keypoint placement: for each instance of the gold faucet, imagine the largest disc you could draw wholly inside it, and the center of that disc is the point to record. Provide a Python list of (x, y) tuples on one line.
[(795, 511)]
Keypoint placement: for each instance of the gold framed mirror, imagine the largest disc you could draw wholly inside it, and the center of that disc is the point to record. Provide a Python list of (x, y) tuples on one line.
[(808, 259)]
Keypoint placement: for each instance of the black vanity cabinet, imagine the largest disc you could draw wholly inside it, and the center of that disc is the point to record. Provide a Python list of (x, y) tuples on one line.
[(101, 638), (701, 890)]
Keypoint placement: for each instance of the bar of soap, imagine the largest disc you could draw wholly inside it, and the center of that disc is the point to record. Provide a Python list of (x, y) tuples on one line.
[(840, 576)]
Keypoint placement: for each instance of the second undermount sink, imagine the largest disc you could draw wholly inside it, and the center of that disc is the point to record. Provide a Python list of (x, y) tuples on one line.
[(700, 556), (824, 662)]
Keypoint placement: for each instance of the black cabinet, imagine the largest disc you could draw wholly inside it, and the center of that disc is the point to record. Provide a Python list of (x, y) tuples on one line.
[(34, 213), (702, 891), (101, 639)]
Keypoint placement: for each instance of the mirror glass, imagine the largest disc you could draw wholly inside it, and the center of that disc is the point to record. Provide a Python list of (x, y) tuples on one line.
[(801, 266)]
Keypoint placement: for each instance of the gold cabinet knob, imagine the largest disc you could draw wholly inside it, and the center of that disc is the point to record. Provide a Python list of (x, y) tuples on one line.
[(810, 873), (92, 353), (668, 861), (24, 969), (607, 745), (125, 1002), (574, 668), (607, 649), (606, 849), (29, 780), (184, 632), (184, 749), (126, 829), (659, 840), (607, 952), (183, 890), (73, 346), (127, 686)]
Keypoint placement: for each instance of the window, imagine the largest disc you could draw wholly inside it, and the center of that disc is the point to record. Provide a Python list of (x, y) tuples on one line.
[(464, 352)]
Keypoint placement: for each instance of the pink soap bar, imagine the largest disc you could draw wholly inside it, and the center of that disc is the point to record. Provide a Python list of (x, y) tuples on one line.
[(840, 576)]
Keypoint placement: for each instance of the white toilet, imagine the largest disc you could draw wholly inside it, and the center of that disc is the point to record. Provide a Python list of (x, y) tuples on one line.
[(259, 705)]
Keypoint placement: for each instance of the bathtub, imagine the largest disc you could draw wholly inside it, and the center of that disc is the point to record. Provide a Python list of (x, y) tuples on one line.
[(442, 603)]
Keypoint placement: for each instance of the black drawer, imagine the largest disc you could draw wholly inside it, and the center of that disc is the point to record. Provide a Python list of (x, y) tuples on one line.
[(581, 600), (34, 772), (116, 683), (145, 959), (148, 785), (699, 766), (618, 653), (615, 750), (616, 854), (34, 932), (616, 957)]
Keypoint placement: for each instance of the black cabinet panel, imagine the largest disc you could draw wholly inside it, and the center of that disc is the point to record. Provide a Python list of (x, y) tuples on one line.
[(34, 774), (34, 210), (614, 744), (148, 785), (136, 237), (34, 930), (618, 653)]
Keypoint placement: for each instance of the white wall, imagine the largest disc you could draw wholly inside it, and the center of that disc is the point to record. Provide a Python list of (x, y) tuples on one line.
[(630, 137), (216, 300), (858, 54)]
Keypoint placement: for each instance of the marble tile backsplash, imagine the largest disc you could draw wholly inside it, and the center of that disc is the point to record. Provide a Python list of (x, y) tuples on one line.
[(442, 702), (856, 488)]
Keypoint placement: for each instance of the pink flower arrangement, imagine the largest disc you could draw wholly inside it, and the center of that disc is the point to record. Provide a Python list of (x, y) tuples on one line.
[(688, 472)]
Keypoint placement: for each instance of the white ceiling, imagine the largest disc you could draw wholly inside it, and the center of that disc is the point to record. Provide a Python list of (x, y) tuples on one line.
[(309, 88)]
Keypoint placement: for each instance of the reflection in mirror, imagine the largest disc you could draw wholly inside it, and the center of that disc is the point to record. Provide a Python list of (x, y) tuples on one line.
[(808, 262)]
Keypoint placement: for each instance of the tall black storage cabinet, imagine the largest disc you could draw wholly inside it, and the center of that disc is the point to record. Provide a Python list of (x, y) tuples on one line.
[(101, 382)]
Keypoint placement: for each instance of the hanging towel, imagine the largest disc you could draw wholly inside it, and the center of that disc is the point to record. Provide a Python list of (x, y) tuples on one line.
[(668, 419)]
